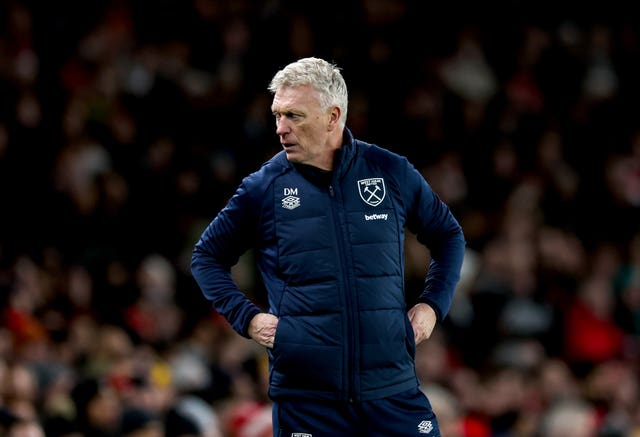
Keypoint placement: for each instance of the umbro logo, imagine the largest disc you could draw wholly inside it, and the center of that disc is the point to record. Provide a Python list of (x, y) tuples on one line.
[(291, 202), (425, 427)]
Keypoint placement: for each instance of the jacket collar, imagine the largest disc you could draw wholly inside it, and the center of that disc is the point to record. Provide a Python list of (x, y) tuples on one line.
[(345, 155), (342, 161)]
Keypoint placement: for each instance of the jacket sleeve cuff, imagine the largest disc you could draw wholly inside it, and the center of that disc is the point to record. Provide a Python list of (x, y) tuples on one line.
[(433, 304), (244, 329)]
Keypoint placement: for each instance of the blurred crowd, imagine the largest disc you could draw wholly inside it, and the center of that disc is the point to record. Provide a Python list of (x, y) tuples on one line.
[(125, 126)]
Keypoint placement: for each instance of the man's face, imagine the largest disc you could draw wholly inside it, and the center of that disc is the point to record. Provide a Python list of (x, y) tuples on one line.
[(302, 125)]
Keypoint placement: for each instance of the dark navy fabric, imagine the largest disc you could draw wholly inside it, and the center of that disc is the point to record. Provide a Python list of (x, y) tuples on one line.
[(403, 415), (331, 256)]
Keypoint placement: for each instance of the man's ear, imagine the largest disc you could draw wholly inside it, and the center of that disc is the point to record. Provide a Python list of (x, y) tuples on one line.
[(334, 118)]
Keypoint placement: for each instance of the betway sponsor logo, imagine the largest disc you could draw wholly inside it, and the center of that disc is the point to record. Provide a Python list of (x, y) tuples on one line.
[(368, 217)]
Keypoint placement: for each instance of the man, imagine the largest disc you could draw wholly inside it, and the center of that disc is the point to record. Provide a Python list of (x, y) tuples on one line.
[(326, 217)]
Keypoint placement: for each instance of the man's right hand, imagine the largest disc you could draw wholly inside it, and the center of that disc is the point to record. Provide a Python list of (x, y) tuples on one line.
[(262, 329)]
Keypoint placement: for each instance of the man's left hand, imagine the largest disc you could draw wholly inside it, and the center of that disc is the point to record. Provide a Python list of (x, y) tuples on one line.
[(423, 319)]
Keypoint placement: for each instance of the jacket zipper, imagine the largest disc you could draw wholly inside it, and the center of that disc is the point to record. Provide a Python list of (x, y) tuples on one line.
[(350, 322)]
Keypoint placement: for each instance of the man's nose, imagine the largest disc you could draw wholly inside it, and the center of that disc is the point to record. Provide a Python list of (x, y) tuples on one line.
[(282, 127)]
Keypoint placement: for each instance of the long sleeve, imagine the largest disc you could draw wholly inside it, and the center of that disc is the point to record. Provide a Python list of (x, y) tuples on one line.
[(436, 227), (229, 235)]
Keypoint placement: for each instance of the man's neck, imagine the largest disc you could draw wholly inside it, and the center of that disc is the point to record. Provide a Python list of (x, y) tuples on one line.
[(335, 144)]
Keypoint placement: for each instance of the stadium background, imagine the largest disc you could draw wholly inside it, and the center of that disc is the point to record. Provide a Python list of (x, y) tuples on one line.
[(125, 126)]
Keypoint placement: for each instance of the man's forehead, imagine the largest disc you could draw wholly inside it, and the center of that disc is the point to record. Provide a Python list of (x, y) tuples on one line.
[(287, 97)]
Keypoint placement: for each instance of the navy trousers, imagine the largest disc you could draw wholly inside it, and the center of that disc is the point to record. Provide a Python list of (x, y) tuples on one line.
[(403, 415)]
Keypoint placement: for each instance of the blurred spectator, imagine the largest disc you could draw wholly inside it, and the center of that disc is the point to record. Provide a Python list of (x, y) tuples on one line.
[(24, 428), (140, 423), (98, 412), (570, 418), (592, 335)]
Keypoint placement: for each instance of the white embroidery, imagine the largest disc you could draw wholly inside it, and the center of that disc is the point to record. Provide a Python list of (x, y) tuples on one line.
[(368, 217), (425, 427), (372, 190), (291, 202)]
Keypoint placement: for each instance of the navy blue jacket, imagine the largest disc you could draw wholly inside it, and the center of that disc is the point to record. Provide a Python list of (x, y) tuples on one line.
[(331, 255)]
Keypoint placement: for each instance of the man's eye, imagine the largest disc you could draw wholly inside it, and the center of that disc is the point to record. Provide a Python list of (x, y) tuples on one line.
[(288, 115)]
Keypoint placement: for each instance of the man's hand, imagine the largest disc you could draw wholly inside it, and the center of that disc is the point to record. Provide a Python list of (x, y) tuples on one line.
[(423, 319), (262, 328)]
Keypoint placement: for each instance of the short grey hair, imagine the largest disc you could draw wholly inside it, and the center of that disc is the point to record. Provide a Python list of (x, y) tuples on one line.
[(321, 75)]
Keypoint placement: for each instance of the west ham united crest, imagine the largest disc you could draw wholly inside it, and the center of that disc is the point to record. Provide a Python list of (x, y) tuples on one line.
[(372, 191)]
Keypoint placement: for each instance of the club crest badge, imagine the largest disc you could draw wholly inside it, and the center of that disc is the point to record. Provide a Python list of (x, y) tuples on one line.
[(372, 190)]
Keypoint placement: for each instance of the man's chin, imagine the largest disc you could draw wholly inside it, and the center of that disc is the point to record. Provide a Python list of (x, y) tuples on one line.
[(292, 156)]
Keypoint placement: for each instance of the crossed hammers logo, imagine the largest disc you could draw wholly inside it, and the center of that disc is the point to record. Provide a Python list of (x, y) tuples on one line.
[(372, 191), (372, 194)]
